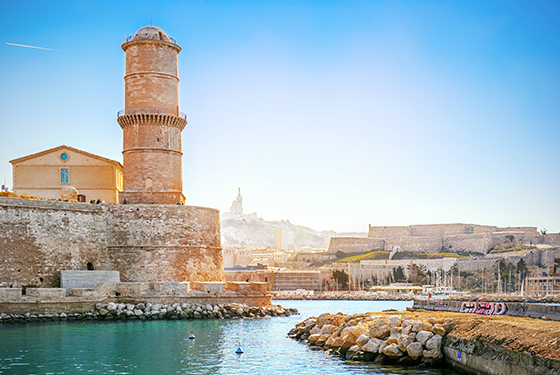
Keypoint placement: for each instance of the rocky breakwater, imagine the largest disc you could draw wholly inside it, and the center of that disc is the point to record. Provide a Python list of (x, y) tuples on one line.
[(411, 339), (149, 311)]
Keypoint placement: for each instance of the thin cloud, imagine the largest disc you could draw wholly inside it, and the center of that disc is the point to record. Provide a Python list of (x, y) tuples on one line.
[(26, 46)]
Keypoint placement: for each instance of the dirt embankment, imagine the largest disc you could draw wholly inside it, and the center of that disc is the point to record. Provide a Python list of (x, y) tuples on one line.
[(533, 336)]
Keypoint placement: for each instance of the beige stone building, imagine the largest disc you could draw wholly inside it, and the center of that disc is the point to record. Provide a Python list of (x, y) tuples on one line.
[(45, 173)]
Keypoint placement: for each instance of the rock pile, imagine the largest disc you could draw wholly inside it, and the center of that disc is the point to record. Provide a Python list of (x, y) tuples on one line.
[(148, 311), (404, 339)]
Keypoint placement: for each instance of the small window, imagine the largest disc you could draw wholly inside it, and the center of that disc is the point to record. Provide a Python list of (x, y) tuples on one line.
[(64, 157), (64, 178)]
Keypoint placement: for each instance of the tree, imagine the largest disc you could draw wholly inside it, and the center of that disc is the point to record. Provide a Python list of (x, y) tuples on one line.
[(398, 274), (342, 279), (522, 268), (556, 265), (417, 273)]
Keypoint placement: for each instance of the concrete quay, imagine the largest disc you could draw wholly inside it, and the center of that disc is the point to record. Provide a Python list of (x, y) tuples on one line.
[(81, 300)]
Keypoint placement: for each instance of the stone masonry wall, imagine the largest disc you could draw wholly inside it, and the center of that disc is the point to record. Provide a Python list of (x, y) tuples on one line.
[(468, 243), (355, 244), (38, 239), (415, 244), (387, 232)]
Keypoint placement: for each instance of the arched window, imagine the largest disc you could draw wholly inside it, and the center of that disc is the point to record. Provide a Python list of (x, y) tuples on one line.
[(90, 266)]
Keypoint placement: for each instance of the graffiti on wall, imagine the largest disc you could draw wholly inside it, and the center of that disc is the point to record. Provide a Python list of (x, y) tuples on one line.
[(484, 308)]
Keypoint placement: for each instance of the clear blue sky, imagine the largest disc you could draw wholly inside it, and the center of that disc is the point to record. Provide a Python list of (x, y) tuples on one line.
[(332, 114)]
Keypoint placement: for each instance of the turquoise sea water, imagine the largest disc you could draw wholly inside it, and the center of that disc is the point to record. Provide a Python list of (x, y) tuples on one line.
[(163, 347)]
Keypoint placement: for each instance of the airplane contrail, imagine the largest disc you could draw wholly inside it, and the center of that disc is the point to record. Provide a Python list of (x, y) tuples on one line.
[(23, 45)]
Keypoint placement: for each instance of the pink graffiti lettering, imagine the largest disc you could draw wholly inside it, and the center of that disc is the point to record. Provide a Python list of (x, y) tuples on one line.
[(501, 308), (484, 308), (468, 307)]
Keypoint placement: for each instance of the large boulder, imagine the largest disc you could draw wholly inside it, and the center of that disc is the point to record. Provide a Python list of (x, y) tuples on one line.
[(349, 340), (404, 341), (321, 341), (324, 319), (439, 329), (414, 350), (313, 338), (421, 326), (434, 343), (315, 330), (392, 350), (380, 329), (434, 354), (337, 342), (372, 346), (328, 329), (363, 339), (423, 336), (395, 320)]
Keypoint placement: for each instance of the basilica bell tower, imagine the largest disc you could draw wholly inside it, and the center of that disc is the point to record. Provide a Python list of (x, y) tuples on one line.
[(151, 121)]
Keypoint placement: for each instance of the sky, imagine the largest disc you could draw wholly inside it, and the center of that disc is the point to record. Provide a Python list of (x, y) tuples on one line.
[(330, 114)]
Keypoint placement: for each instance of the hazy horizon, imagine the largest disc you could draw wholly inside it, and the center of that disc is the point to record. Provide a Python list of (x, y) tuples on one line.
[(333, 115)]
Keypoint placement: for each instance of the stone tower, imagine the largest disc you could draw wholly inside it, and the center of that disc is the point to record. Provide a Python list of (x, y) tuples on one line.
[(151, 120)]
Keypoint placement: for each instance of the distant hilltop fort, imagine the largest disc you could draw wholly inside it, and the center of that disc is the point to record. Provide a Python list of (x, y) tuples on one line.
[(150, 236), (441, 238)]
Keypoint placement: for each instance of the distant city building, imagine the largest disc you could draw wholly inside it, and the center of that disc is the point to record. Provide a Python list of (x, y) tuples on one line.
[(46, 173), (278, 238), (293, 280), (283, 239), (269, 257), (542, 286), (237, 205)]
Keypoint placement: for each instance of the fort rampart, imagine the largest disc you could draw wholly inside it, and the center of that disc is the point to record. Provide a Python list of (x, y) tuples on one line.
[(355, 244), (144, 243), (442, 237)]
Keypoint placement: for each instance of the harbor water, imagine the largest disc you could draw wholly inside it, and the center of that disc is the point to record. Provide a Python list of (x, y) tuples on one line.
[(164, 347)]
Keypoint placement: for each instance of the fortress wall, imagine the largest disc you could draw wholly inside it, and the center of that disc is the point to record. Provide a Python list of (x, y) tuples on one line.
[(371, 266), (468, 243), (552, 239), (165, 243), (529, 231), (355, 244), (513, 239), (484, 229), (435, 230), (38, 239), (414, 244), (387, 232), (542, 257), (446, 230)]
